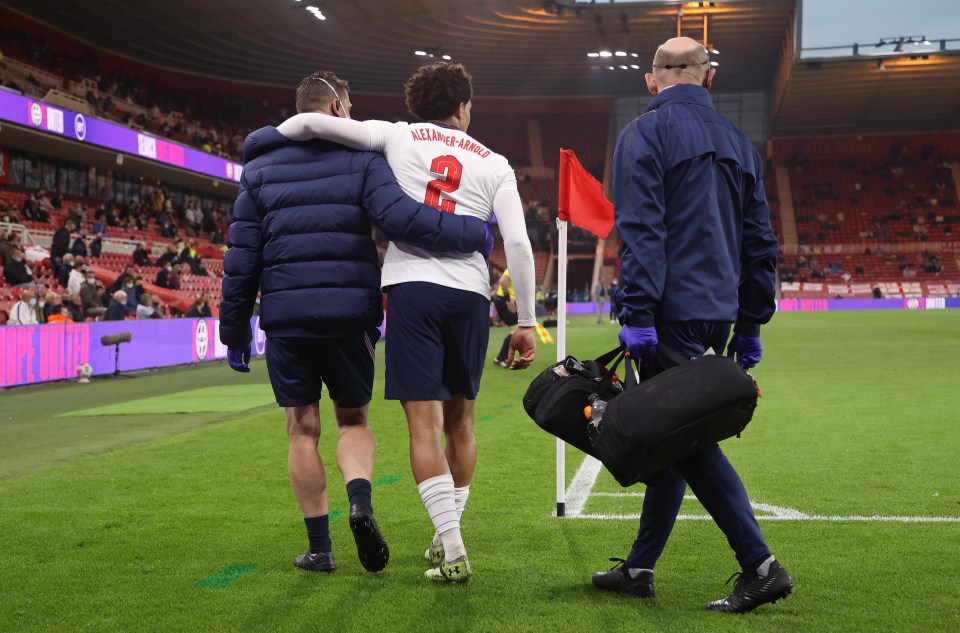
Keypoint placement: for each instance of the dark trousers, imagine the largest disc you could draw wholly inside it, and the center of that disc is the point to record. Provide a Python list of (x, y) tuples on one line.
[(710, 476)]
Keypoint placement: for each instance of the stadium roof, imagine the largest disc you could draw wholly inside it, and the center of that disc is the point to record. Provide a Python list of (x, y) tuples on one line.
[(523, 48)]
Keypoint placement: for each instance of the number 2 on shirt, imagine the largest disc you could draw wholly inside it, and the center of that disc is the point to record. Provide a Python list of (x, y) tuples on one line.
[(451, 169)]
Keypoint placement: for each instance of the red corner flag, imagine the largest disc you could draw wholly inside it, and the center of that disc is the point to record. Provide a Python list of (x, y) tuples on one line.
[(581, 197)]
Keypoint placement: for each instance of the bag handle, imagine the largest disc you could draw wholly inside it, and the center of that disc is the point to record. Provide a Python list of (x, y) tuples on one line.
[(613, 358), (666, 358)]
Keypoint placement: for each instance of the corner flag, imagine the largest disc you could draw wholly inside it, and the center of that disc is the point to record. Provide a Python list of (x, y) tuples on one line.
[(581, 197)]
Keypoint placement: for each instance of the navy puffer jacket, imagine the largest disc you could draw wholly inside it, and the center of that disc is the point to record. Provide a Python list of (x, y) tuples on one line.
[(300, 232)]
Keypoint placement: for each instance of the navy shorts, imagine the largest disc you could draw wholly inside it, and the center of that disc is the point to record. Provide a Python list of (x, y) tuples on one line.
[(437, 341), (299, 367)]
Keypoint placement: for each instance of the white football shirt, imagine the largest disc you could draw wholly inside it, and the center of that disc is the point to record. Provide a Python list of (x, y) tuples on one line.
[(445, 168)]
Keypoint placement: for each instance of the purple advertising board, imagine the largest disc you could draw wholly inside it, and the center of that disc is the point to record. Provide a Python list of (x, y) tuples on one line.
[(824, 305), (75, 126), (41, 353)]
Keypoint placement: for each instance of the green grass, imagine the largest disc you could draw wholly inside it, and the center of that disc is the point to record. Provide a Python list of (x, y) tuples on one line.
[(223, 399), (186, 522)]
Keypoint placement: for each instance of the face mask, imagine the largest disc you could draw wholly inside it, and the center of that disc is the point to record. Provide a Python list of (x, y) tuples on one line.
[(17, 259), (129, 285), (92, 282), (32, 302), (43, 303)]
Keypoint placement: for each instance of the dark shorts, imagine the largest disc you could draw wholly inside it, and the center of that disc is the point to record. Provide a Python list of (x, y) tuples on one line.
[(437, 342), (299, 367), (508, 317)]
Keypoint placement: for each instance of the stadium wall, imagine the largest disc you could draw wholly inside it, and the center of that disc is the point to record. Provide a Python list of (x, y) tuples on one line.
[(42, 353)]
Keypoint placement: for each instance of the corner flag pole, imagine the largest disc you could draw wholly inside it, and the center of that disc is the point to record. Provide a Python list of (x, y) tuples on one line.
[(561, 354)]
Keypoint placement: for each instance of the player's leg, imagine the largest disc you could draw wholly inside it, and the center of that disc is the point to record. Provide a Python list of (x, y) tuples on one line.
[(461, 447), (465, 339), (307, 473), (414, 325), (348, 366), (296, 382), (461, 454)]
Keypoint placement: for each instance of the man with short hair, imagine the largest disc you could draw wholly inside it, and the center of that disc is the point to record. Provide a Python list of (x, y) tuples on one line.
[(74, 306), (90, 295), (319, 277), (439, 305), (16, 271), (24, 311), (117, 310), (698, 254), (75, 277)]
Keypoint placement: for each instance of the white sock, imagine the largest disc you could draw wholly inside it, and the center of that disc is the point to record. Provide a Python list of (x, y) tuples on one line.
[(460, 499), (764, 567), (439, 499)]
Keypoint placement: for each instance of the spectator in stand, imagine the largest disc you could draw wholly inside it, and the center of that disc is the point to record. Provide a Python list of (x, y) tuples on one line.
[(130, 290), (147, 309), (200, 308), (17, 272), (96, 246), (7, 214), (50, 305), (90, 296), (74, 307), (140, 256), (122, 279), (169, 257), (32, 210), (117, 310), (138, 289), (191, 257), (76, 276), (173, 280), (163, 277), (60, 245), (167, 230), (24, 311), (79, 246), (62, 315)]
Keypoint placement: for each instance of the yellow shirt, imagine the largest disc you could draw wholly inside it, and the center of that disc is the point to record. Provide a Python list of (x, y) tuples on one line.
[(512, 293)]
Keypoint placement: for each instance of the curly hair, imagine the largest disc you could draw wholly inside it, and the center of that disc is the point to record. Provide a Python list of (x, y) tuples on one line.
[(434, 92), (313, 95)]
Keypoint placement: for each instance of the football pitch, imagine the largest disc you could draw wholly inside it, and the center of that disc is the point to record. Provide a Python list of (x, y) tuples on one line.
[(162, 503)]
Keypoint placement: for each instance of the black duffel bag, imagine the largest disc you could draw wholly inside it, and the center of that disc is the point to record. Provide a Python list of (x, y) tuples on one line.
[(695, 403), (555, 399)]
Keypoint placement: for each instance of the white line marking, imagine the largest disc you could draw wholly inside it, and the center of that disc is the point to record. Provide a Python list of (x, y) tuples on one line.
[(581, 489), (839, 519)]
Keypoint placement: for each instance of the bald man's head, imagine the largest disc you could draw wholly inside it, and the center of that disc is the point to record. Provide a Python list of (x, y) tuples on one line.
[(680, 60)]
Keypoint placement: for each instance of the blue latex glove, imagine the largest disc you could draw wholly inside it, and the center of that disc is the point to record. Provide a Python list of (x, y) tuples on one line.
[(745, 350), (487, 247), (238, 357), (641, 342)]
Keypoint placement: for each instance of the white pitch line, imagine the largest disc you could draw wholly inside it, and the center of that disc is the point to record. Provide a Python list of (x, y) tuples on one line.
[(838, 519), (581, 489), (582, 484)]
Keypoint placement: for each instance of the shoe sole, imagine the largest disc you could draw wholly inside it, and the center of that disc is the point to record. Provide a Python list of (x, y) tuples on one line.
[(322, 570), (371, 546), (780, 595)]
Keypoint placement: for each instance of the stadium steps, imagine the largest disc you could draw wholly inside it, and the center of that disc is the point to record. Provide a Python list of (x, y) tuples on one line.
[(788, 222)]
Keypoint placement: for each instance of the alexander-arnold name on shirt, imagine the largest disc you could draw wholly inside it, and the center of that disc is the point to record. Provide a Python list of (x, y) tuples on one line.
[(464, 143)]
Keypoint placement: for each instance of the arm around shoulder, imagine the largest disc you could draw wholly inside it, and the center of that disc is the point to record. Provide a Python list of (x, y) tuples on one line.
[(403, 219)]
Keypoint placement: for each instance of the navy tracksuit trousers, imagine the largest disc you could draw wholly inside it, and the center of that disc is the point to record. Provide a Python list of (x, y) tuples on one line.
[(710, 476)]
